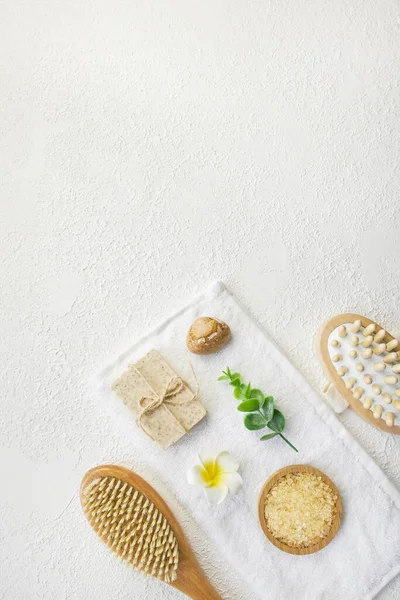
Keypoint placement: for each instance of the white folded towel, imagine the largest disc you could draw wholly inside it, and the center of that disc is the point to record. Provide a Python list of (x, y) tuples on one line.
[(364, 555)]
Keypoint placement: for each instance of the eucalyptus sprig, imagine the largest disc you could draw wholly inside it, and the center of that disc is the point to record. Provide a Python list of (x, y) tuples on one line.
[(261, 409)]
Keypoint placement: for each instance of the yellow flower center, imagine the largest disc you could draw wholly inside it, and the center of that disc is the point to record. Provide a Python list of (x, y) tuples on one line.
[(212, 474)]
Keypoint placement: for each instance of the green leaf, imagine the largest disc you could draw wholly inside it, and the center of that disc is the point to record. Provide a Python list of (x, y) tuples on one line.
[(238, 393), (236, 376), (249, 406), (277, 423), (258, 395), (254, 400), (235, 382), (269, 436), (268, 408), (254, 422)]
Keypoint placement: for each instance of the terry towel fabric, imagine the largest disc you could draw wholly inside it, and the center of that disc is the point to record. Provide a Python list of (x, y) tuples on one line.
[(364, 555)]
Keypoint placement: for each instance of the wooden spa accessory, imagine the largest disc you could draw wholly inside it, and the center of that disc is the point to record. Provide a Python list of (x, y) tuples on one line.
[(280, 475), (135, 522), (362, 362)]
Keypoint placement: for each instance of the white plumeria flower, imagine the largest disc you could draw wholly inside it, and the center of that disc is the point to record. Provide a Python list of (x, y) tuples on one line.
[(217, 475)]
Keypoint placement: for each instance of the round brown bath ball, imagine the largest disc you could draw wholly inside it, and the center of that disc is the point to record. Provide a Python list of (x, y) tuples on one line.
[(207, 335)]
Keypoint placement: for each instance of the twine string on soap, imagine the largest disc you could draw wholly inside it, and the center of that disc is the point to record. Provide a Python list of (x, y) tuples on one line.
[(174, 386)]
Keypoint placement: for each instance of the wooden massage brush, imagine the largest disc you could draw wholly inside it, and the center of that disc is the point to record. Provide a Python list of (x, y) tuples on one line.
[(362, 361), (136, 523)]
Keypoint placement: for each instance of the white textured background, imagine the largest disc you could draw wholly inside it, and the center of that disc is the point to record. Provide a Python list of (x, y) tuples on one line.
[(147, 148)]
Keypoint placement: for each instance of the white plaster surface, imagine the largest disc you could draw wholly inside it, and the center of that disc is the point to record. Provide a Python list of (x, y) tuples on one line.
[(146, 149)]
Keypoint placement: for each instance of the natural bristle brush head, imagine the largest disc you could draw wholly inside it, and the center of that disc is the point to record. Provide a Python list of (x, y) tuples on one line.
[(136, 523), (132, 526)]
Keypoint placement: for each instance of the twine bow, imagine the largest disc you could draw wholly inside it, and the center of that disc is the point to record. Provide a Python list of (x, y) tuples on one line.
[(175, 385)]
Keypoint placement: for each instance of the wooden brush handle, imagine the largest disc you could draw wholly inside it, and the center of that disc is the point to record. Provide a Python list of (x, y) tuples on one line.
[(204, 591), (195, 584), (205, 594)]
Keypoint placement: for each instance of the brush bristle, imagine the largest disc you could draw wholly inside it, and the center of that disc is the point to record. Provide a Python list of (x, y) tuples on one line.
[(129, 523)]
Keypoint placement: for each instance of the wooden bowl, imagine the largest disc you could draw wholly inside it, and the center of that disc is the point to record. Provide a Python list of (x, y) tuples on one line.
[(338, 382), (263, 521)]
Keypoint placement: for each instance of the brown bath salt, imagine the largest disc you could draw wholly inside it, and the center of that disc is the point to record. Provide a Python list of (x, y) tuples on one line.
[(300, 509)]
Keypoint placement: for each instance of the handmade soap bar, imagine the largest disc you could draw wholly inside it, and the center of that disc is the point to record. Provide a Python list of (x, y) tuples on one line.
[(162, 402)]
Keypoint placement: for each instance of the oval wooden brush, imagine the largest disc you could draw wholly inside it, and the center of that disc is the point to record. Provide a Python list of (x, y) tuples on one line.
[(358, 356), (136, 523)]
